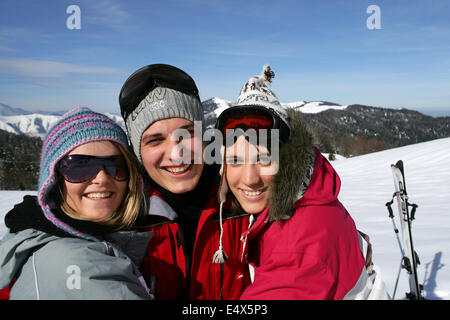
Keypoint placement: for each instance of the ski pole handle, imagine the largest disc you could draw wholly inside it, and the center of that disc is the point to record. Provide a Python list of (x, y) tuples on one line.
[(388, 205), (413, 211)]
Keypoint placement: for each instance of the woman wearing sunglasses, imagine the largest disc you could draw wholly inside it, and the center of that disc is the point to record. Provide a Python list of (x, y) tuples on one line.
[(303, 244), (89, 188)]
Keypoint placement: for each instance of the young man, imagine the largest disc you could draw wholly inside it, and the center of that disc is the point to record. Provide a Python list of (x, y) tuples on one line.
[(158, 102)]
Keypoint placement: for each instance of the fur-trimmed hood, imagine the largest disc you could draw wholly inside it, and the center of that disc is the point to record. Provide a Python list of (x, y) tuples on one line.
[(295, 169), (304, 176)]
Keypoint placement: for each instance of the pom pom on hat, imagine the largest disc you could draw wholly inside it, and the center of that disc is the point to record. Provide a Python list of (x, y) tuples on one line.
[(256, 93)]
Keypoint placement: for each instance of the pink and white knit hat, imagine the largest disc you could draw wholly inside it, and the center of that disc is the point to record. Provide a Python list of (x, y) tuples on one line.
[(76, 127)]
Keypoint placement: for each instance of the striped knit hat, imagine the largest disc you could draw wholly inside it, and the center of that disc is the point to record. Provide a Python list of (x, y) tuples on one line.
[(78, 126)]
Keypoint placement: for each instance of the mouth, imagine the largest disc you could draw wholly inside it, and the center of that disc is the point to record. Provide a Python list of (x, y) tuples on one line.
[(176, 170), (253, 195), (99, 195)]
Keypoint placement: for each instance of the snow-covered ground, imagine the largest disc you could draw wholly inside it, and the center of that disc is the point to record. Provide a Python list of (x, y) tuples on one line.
[(367, 184)]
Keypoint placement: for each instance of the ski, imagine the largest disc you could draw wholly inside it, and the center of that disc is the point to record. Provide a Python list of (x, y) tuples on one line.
[(410, 259)]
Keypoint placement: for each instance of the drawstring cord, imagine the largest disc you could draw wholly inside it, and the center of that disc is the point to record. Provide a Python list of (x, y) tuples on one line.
[(244, 238), (220, 256)]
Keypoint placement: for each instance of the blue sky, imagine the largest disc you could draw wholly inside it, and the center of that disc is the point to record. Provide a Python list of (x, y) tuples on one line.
[(319, 50)]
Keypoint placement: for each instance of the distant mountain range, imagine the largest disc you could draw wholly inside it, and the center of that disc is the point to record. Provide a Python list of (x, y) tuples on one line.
[(329, 121), (345, 130), (36, 123), (356, 129)]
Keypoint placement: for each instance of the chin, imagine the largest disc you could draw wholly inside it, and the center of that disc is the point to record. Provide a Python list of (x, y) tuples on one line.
[(179, 188), (253, 209)]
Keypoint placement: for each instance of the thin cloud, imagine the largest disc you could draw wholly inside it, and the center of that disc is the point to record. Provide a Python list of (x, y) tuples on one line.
[(6, 49), (107, 13), (32, 68)]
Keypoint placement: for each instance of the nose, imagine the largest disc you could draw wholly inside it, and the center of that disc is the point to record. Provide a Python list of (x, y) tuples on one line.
[(250, 175), (101, 177), (179, 152)]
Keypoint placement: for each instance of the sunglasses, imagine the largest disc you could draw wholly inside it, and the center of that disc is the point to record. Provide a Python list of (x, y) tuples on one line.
[(251, 117), (81, 168), (144, 80)]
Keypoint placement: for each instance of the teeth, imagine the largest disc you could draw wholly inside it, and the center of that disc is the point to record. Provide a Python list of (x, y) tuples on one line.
[(99, 195), (178, 169), (252, 193)]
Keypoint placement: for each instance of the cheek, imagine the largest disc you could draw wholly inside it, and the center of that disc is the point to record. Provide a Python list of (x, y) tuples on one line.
[(267, 179), (233, 175), (122, 188), (72, 192), (151, 156)]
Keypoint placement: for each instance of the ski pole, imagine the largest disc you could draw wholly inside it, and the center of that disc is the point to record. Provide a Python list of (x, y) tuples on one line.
[(391, 215), (398, 277)]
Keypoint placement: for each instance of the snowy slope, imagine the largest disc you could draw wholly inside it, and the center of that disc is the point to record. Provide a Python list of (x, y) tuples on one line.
[(367, 184)]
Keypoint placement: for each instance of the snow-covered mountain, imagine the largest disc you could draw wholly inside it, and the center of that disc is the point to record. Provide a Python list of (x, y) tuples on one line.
[(217, 105), (313, 106), (34, 124), (213, 107), (367, 184), (389, 127)]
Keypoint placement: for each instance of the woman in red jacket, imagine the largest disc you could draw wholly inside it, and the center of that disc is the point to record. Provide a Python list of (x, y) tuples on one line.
[(304, 243)]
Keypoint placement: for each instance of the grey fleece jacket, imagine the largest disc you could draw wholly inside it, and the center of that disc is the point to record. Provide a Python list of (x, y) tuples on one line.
[(50, 267)]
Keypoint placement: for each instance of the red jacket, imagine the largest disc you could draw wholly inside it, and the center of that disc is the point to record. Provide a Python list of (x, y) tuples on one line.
[(202, 279), (165, 265), (315, 254)]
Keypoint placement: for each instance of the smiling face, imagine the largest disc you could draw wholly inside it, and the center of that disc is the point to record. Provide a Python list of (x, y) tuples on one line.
[(173, 162), (246, 173), (98, 198)]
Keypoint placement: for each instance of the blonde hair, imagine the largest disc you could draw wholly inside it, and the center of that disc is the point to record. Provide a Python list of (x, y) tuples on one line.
[(129, 210)]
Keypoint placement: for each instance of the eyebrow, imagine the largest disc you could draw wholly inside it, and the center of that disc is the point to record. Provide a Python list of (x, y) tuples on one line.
[(159, 134), (150, 136), (232, 159)]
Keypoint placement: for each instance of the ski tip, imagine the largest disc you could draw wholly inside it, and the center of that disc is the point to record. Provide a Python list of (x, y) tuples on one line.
[(398, 164)]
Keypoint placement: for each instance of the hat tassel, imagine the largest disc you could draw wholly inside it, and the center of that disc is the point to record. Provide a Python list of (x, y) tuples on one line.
[(220, 256)]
